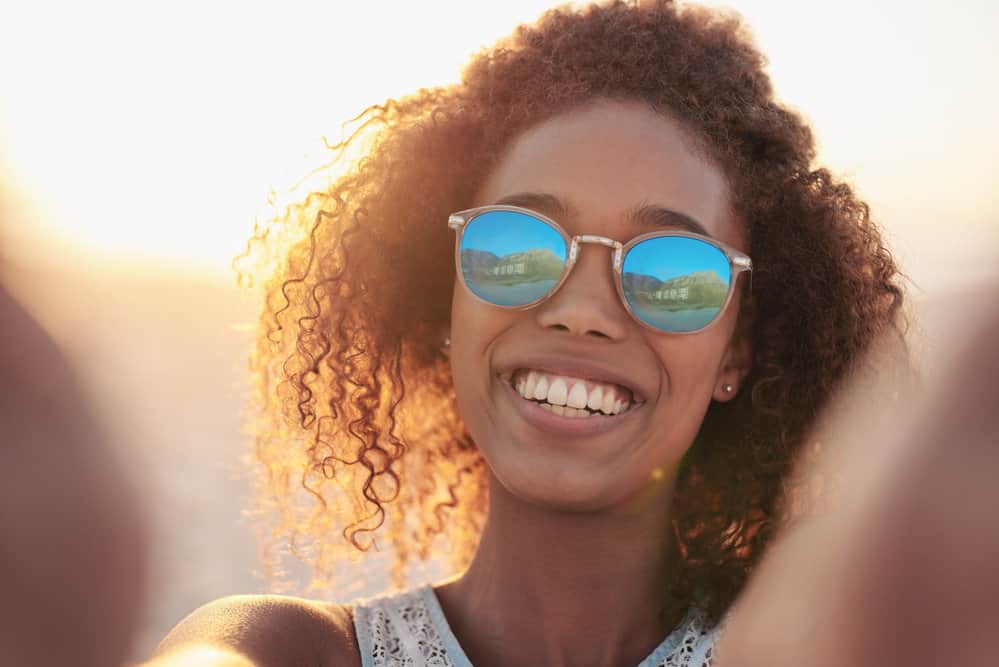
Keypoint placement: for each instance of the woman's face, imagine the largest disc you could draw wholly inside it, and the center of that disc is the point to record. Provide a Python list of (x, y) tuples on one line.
[(589, 170)]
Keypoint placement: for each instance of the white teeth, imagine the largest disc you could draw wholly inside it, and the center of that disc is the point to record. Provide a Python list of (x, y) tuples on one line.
[(607, 406), (529, 384), (577, 397), (596, 399), (557, 391), (562, 400), (541, 389)]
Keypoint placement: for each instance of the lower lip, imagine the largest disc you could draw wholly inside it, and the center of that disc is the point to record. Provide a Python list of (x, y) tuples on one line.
[(548, 421)]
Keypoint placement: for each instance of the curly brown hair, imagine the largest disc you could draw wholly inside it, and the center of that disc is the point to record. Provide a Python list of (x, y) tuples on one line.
[(356, 406)]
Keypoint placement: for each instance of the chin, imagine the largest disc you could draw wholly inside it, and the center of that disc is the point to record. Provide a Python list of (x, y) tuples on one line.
[(564, 491)]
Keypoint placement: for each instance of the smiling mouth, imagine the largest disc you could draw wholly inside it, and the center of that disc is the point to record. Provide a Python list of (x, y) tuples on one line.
[(572, 397)]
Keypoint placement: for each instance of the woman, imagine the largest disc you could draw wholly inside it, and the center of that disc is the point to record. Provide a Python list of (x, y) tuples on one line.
[(589, 387)]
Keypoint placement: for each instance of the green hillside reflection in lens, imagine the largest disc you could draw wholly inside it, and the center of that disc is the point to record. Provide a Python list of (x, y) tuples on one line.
[(676, 283), (510, 258)]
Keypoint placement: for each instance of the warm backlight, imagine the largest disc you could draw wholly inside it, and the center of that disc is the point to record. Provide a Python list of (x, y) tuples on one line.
[(156, 131)]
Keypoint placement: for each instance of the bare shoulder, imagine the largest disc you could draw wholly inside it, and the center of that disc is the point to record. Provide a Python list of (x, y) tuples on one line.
[(272, 630)]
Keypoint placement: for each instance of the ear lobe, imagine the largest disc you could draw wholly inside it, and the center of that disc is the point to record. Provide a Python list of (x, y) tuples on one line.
[(734, 368), (445, 346)]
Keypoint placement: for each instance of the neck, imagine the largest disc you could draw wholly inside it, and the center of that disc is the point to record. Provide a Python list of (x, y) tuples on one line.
[(553, 587)]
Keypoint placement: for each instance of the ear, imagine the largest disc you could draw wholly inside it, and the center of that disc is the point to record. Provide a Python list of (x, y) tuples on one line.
[(734, 368)]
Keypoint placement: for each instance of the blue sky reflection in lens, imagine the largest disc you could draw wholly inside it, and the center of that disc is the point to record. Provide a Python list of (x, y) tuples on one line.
[(676, 283), (510, 258)]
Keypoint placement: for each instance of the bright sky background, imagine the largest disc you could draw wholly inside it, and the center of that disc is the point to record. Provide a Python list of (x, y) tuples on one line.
[(151, 131)]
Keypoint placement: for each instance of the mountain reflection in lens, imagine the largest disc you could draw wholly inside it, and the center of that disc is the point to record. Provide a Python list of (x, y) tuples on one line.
[(676, 283), (510, 258)]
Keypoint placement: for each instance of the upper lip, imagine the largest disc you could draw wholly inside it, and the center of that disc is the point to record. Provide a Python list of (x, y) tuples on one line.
[(575, 366)]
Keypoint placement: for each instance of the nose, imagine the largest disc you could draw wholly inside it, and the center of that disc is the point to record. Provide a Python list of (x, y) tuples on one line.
[(587, 303)]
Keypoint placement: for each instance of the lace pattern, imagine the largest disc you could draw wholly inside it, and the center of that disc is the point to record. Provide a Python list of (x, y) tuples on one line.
[(409, 630), (694, 649), (399, 631)]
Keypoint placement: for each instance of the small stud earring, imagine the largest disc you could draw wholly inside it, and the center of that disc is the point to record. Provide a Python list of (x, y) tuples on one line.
[(446, 346), (727, 388)]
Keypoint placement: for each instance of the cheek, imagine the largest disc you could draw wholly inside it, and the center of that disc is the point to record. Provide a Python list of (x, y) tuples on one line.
[(469, 325), (462, 319), (689, 369), (690, 364), (474, 326)]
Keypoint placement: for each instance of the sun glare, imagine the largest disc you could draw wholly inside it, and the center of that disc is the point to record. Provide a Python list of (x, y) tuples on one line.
[(161, 133), (140, 131)]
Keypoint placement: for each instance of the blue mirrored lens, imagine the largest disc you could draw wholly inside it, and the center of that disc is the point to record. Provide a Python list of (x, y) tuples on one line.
[(676, 283), (510, 258)]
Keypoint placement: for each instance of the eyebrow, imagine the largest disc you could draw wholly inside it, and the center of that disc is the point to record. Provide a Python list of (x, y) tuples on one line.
[(542, 202), (646, 215), (658, 216)]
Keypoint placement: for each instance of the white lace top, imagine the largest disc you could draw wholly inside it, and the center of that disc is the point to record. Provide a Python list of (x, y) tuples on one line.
[(409, 630)]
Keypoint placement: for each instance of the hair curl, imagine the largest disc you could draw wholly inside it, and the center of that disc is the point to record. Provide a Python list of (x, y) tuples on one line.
[(356, 405)]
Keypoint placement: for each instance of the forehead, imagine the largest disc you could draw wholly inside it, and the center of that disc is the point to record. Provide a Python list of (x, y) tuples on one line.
[(608, 159)]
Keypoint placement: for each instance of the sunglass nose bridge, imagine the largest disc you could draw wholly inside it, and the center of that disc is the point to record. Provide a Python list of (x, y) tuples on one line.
[(599, 240)]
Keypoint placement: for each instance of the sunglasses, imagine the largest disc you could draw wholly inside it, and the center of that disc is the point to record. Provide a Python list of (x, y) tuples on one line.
[(672, 282)]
